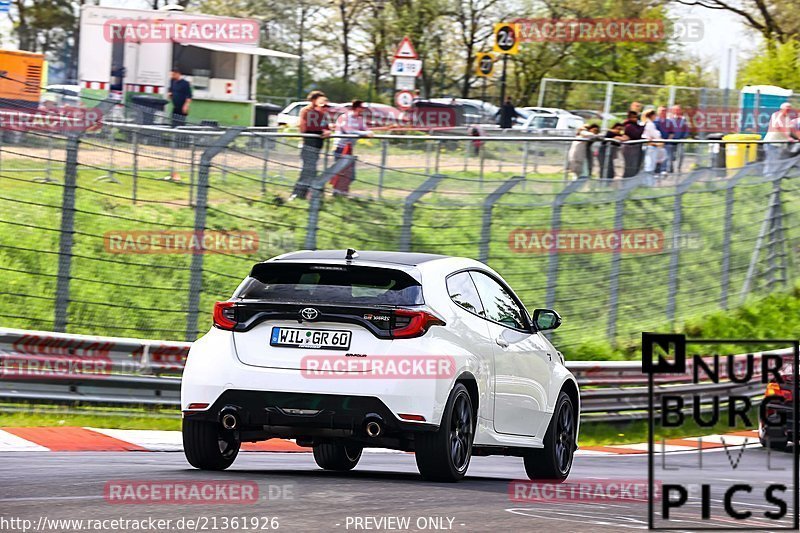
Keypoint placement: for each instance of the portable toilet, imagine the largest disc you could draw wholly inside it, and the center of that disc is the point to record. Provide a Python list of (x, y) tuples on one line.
[(757, 104)]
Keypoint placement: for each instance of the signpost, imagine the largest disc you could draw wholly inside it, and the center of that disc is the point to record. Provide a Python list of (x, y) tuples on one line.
[(506, 42), (484, 67), (403, 100), (406, 68)]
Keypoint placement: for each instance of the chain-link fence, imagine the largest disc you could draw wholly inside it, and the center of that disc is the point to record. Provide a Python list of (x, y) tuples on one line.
[(133, 230)]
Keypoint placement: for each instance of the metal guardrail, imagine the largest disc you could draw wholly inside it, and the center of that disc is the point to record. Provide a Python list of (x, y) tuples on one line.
[(42, 367)]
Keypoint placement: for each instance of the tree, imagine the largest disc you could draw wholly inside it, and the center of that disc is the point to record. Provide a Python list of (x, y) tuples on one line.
[(778, 64), (777, 20), (43, 25)]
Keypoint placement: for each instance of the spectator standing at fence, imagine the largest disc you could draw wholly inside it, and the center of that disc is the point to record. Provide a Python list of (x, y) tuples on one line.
[(351, 122), (180, 94), (507, 113), (632, 153), (609, 148), (654, 153), (660, 122), (779, 134), (677, 129), (580, 151), (314, 121)]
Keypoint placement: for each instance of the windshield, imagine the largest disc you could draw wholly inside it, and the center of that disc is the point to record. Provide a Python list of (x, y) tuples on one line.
[(335, 284)]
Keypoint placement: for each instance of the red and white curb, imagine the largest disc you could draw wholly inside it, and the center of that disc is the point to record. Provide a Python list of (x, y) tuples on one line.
[(84, 439)]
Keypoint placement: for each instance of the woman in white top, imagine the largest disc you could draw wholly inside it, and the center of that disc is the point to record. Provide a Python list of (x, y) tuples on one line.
[(654, 152)]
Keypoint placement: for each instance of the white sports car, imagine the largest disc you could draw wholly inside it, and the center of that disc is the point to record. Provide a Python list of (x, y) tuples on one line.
[(417, 352)]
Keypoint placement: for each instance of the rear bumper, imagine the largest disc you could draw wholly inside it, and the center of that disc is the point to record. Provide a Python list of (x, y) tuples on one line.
[(306, 416)]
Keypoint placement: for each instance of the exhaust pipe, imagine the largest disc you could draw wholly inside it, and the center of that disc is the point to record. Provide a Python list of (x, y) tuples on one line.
[(373, 425), (229, 418)]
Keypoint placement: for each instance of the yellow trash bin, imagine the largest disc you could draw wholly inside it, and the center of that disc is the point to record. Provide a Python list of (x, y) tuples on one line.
[(739, 154)]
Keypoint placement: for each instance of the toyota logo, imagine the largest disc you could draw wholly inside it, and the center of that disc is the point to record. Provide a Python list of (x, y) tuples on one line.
[(309, 313)]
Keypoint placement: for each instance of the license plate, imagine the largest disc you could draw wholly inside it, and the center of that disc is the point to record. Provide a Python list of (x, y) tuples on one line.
[(310, 338)]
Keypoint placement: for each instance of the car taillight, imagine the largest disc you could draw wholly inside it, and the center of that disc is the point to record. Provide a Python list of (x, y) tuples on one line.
[(224, 315), (774, 389), (409, 324)]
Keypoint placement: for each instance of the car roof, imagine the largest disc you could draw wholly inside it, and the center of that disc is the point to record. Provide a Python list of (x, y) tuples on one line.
[(398, 258)]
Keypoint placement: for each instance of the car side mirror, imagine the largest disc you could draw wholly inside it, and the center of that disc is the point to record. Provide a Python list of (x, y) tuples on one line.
[(546, 319)]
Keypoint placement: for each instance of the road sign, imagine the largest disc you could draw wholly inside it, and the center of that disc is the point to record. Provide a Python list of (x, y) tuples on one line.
[(484, 64), (406, 50), (506, 38), (404, 83), (403, 100), (406, 67)]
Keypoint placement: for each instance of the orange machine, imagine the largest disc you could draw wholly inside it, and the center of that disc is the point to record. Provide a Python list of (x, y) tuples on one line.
[(21, 77)]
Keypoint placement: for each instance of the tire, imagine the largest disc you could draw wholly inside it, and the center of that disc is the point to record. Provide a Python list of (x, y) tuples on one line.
[(444, 455), (336, 456), (774, 444), (554, 461), (207, 447)]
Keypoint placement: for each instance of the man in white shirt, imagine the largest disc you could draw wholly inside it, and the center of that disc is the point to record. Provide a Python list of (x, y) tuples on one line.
[(779, 134)]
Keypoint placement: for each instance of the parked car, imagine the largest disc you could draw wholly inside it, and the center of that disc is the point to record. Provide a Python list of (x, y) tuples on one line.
[(376, 115), (594, 116), (551, 121), (303, 349), (475, 111), (290, 115), (63, 95)]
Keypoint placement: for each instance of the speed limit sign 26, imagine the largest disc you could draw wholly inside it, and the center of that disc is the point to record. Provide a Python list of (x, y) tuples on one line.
[(506, 38)]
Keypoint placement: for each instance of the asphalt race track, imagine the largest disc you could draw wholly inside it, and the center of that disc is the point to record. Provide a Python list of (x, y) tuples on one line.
[(302, 497)]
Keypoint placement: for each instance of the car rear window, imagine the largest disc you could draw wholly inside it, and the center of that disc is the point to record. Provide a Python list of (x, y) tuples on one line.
[(335, 284)]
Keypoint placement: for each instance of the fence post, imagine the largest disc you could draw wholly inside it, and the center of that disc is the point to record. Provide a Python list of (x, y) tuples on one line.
[(135, 169), (488, 206), (675, 252), (67, 231), (771, 229), (525, 159), (265, 166), (317, 187), (382, 170), (408, 209), (438, 156), (607, 103), (613, 283), (555, 226), (727, 230), (196, 268), (192, 187)]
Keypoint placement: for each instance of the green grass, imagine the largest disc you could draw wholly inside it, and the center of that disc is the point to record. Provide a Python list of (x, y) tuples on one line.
[(44, 419)]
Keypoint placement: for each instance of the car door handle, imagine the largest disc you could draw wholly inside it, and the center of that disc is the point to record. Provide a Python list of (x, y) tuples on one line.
[(501, 342)]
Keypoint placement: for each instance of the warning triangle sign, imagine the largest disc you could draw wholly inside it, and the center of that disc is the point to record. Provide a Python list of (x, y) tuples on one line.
[(406, 50)]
